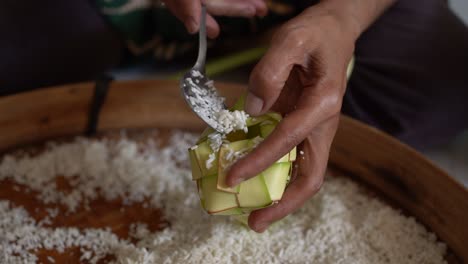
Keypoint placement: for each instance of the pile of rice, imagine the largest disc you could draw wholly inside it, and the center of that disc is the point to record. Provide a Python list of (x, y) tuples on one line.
[(341, 224)]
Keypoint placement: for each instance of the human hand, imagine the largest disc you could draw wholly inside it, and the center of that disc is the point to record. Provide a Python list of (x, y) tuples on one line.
[(188, 11), (302, 76)]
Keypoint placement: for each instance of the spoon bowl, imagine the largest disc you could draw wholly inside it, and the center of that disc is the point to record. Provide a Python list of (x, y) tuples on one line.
[(197, 89)]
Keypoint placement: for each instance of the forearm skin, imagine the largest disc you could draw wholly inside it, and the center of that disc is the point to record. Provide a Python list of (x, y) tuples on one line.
[(358, 15)]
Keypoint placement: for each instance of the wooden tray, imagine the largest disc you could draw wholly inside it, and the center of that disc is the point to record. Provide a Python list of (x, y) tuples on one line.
[(392, 169)]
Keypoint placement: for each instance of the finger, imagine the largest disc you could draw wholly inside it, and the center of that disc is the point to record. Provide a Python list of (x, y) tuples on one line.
[(312, 168), (291, 131), (187, 11), (261, 7), (271, 73), (297, 192), (212, 27), (239, 8), (285, 137)]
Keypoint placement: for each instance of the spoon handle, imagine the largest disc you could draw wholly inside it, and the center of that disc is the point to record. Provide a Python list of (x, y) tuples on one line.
[(200, 64)]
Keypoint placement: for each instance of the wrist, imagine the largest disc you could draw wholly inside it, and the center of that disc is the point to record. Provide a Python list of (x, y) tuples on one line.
[(355, 16)]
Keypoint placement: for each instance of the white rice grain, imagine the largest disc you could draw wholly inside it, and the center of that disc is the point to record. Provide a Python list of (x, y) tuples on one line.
[(341, 224)]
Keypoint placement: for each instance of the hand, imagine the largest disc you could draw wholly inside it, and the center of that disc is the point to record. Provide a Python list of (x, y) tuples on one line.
[(303, 76), (188, 11)]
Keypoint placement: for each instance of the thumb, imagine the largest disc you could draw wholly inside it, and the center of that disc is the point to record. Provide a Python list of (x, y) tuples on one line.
[(268, 79)]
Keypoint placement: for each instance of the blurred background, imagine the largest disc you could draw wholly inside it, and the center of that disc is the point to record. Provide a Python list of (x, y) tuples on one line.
[(454, 156), (460, 7)]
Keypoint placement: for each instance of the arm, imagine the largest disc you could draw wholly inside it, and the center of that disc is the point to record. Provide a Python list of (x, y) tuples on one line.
[(359, 14), (303, 76)]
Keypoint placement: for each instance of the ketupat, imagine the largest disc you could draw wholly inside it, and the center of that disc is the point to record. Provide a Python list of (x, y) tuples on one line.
[(210, 164), (209, 167)]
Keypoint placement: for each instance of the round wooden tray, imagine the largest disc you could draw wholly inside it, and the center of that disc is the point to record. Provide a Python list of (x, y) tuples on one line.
[(399, 173)]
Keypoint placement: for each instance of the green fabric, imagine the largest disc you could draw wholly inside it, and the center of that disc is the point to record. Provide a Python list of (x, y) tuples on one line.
[(131, 21), (149, 29)]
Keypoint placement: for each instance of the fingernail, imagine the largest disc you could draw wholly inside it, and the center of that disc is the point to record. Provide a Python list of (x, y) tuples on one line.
[(192, 26), (261, 227), (248, 11), (253, 104), (261, 8), (237, 182)]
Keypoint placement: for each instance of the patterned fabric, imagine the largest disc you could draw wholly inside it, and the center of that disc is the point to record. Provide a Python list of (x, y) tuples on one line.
[(148, 28)]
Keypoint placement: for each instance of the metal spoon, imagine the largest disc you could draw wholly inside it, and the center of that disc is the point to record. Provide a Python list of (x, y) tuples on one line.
[(197, 89)]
